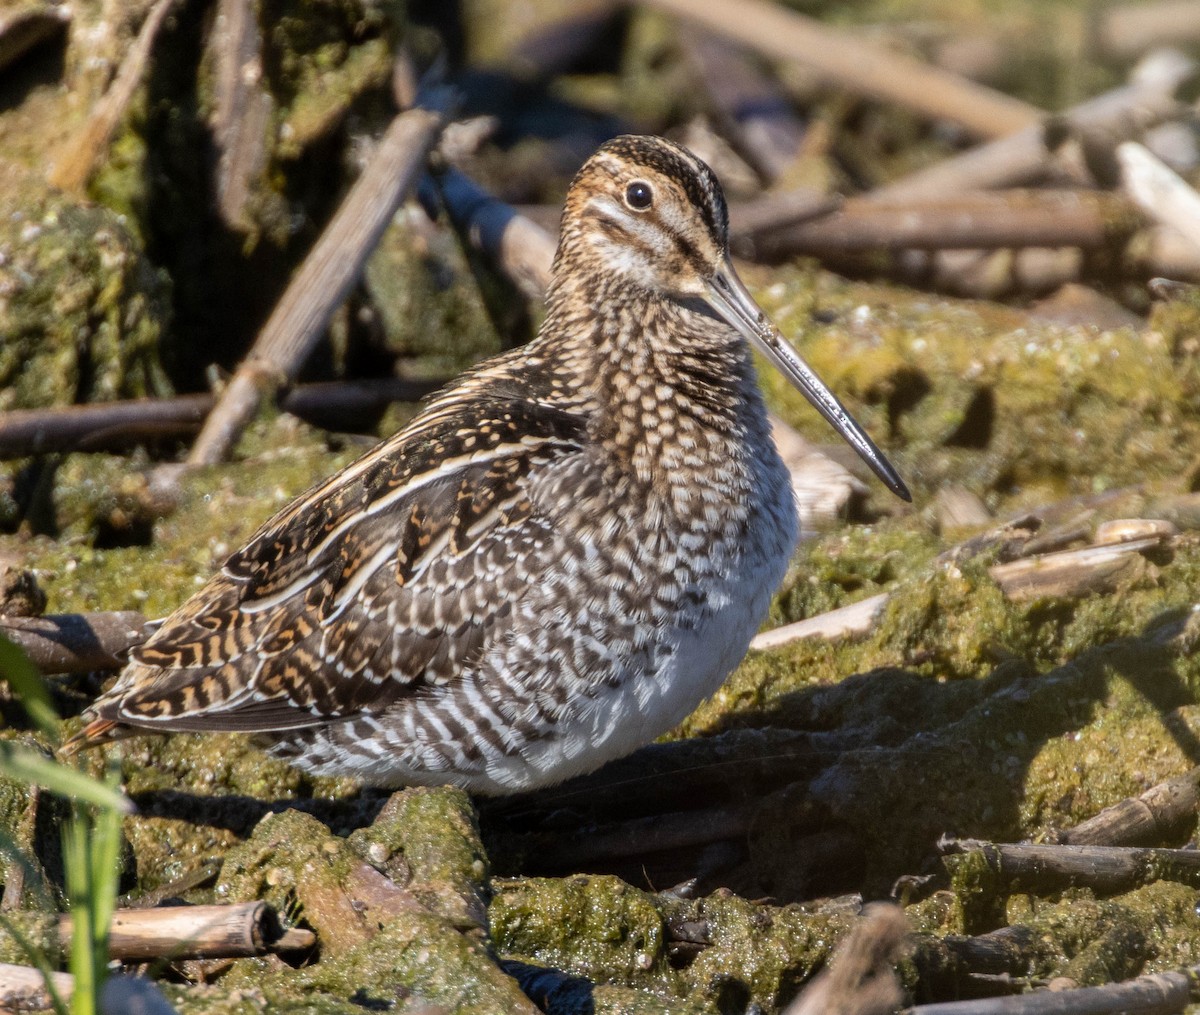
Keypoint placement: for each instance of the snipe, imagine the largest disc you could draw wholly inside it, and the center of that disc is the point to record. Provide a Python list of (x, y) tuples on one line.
[(564, 553)]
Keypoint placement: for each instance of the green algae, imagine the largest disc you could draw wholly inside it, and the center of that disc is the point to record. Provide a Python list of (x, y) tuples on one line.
[(976, 716), (1052, 410), (593, 926), (82, 310), (601, 928), (429, 307), (427, 840), (375, 948), (23, 933)]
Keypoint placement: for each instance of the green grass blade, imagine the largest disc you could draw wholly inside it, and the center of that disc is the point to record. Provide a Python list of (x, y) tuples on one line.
[(76, 862), (30, 689), (106, 867), (27, 765)]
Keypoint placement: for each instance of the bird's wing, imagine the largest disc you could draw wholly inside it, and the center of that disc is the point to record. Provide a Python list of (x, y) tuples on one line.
[(387, 578)]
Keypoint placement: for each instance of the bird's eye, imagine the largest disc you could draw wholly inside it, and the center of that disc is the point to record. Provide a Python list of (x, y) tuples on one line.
[(639, 196)]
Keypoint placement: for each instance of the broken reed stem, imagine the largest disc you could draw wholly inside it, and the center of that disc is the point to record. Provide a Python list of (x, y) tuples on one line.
[(241, 107), (859, 66), (749, 105), (108, 426), (1109, 870), (1159, 191), (860, 979), (80, 156), (1163, 810), (1127, 30), (238, 930), (326, 276)]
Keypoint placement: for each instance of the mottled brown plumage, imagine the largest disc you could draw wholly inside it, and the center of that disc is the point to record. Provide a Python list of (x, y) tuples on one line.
[(553, 563)]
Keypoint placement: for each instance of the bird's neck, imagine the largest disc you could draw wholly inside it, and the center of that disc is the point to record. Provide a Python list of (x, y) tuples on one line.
[(655, 368)]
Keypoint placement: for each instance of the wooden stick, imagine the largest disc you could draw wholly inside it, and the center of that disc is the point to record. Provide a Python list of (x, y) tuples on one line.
[(1065, 574), (750, 109), (1159, 191), (1160, 812), (325, 277), (1107, 869), (1071, 573), (859, 66), (23, 988), (975, 221), (109, 426), (857, 618), (521, 249), (237, 930), (241, 107), (1024, 156), (75, 164), (1155, 994), (76, 642), (1004, 950), (768, 214), (1128, 30), (1163, 250)]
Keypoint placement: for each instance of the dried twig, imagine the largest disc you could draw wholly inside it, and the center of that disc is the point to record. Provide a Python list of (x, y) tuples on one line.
[(975, 221), (77, 161), (1162, 811), (241, 107), (521, 249), (1127, 30), (1156, 994), (109, 426), (749, 108), (23, 988), (857, 618), (325, 277), (858, 65), (76, 642), (1024, 156), (1107, 869), (1159, 191)]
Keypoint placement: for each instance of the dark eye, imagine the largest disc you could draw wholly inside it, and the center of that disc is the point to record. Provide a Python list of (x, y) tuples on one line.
[(639, 196)]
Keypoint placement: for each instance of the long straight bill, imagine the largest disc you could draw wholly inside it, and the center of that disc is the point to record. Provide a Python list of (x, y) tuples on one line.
[(730, 298)]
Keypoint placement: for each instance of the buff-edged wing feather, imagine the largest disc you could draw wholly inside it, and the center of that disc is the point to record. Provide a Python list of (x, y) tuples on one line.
[(375, 584)]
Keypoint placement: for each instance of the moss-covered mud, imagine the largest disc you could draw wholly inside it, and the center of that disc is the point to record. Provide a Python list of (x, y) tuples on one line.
[(962, 712), (822, 772)]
